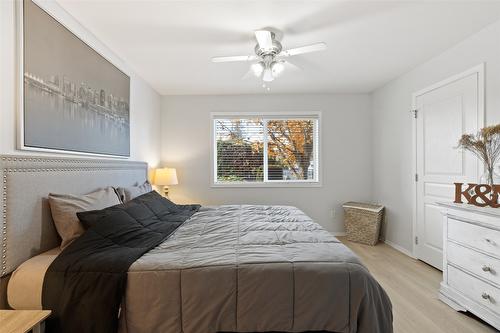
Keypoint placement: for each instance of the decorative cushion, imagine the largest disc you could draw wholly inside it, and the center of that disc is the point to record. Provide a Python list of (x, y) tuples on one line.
[(128, 193), (65, 206)]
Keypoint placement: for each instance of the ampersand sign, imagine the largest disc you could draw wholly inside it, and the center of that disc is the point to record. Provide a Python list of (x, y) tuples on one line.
[(481, 195)]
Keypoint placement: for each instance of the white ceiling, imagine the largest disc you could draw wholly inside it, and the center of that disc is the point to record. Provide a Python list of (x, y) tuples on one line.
[(170, 43)]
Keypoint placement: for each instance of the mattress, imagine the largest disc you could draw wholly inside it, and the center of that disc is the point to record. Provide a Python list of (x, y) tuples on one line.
[(24, 291)]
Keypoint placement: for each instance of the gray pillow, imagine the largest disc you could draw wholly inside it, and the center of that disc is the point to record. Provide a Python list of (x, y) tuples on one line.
[(65, 206), (131, 192)]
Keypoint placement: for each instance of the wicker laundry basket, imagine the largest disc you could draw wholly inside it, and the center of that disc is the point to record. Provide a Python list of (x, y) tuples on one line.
[(363, 221)]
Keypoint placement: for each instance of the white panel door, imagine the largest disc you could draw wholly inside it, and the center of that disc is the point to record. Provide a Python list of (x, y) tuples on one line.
[(443, 115)]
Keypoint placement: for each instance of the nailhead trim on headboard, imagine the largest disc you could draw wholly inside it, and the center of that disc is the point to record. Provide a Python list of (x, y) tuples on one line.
[(13, 164)]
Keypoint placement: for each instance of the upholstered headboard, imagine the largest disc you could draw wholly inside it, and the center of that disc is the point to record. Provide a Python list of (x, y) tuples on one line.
[(26, 223)]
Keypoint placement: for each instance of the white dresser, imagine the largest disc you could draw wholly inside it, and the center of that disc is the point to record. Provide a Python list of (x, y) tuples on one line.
[(471, 266)]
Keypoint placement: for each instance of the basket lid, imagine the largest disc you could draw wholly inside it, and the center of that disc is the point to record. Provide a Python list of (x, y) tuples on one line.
[(363, 206)]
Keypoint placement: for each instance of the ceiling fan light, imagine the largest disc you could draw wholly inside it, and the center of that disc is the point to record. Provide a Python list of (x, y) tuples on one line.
[(257, 69), (277, 68), (268, 75)]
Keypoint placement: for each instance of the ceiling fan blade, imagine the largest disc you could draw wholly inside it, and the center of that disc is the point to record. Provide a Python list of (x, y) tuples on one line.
[(264, 39), (303, 49), (234, 58)]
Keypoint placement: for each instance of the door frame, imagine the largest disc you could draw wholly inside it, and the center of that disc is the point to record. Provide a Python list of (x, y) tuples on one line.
[(479, 70)]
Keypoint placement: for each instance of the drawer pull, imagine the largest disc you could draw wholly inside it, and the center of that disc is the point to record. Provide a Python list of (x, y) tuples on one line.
[(485, 296), (489, 241), (486, 268)]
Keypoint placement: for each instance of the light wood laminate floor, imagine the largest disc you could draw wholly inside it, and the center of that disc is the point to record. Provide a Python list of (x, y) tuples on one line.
[(413, 288)]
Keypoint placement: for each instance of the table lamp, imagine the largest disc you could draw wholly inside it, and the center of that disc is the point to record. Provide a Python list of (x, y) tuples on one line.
[(165, 177)]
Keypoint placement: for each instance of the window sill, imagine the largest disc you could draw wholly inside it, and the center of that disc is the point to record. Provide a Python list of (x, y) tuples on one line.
[(263, 185)]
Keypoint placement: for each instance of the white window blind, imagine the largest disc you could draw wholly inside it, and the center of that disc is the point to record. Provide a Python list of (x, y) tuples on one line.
[(256, 149)]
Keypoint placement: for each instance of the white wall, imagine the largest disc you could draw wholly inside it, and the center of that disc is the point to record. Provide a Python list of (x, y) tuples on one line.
[(346, 156), (144, 101), (366, 153), (392, 123)]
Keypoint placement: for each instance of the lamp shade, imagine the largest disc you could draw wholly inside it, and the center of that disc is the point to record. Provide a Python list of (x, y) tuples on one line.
[(165, 177)]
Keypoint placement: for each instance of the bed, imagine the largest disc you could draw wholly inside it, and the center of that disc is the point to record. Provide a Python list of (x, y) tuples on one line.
[(237, 268)]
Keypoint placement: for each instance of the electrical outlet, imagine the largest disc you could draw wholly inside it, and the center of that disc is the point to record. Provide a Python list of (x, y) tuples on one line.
[(332, 213)]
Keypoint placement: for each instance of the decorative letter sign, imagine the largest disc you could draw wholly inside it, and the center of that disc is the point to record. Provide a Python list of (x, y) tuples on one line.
[(480, 195)]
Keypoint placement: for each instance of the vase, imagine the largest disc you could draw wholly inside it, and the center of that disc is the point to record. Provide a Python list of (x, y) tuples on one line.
[(491, 178)]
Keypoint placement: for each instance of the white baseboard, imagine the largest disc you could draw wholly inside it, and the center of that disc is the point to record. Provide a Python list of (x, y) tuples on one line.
[(391, 244), (399, 248)]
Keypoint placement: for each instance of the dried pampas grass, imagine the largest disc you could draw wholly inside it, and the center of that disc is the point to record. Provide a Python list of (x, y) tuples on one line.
[(485, 145)]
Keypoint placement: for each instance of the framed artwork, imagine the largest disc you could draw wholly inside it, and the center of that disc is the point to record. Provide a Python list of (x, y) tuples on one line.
[(72, 99)]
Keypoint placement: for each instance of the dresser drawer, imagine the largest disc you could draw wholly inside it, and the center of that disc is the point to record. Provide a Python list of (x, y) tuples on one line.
[(475, 262), (480, 292), (481, 238)]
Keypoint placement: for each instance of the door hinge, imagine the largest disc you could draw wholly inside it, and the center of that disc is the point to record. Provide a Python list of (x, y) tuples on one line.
[(415, 113), (416, 240), (416, 177)]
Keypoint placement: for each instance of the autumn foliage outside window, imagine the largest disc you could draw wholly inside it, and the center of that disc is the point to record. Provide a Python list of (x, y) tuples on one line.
[(252, 150)]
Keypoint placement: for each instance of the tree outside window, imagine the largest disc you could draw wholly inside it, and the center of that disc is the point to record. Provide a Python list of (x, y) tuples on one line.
[(241, 143)]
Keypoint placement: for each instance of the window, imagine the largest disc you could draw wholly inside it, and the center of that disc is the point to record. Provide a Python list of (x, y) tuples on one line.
[(255, 149)]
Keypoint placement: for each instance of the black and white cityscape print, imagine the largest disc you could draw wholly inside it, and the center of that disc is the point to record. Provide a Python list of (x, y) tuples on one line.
[(74, 99)]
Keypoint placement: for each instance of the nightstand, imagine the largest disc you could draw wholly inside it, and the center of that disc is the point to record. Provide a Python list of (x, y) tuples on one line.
[(21, 321)]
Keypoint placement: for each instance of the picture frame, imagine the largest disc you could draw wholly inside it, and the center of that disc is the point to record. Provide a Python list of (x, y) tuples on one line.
[(83, 112)]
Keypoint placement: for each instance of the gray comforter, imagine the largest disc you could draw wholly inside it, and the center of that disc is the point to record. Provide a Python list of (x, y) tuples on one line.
[(252, 269)]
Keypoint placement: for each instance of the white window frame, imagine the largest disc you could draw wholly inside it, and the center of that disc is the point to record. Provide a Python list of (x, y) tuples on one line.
[(266, 183)]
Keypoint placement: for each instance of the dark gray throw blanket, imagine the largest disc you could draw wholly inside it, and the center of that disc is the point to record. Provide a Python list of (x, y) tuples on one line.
[(85, 284)]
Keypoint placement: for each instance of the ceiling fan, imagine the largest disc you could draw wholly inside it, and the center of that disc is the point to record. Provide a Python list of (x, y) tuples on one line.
[(269, 58)]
